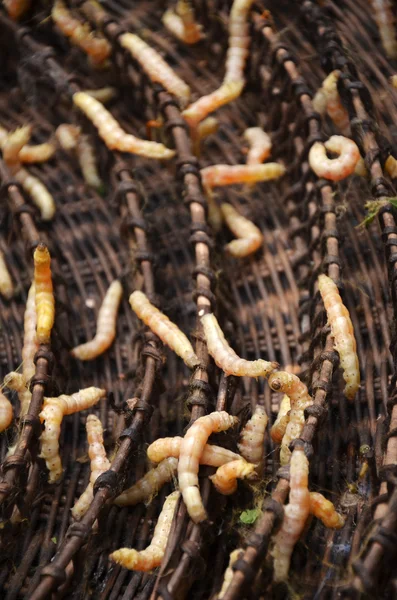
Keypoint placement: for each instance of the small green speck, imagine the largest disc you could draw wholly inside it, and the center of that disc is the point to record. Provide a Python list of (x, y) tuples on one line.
[(248, 517), (54, 540)]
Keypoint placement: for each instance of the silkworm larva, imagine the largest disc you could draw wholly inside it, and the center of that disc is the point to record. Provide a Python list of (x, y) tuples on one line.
[(207, 127), (155, 66), (260, 145), (45, 303), (200, 109), (151, 557), (14, 381), (99, 463), (106, 325), (68, 135), (54, 409), (215, 217), (252, 437), (226, 358), (97, 48), (147, 487), (295, 515), (6, 413), (324, 510), (191, 449), (167, 331), (391, 167), (277, 431), (87, 162), (181, 23), (16, 8), (36, 154), (343, 334), (29, 349), (214, 456), (334, 169), (220, 175), (39, 194), (229, 573), (327, 99), (250, 236), (384, 16), (287, 383), (12, 146), (6, 285), (113, 135), (225, 478), (103, 95)]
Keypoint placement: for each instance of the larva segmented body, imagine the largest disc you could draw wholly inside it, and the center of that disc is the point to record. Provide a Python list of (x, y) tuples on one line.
[(87, 161), (334, 169), (155, 66), (191, 449), (277, 431), (226, 358), (113, 135), (181, 23), (260, 145), (68, 135), (99, 463), (343, 334), (16, 381), (200, 109), (16, 8), (106, 325), (252, 437), (324, 510), (213, 456), (6, 413), (30, 154), (386, 22), (295, 515), (327, 99), (45, 303), (147, 487), (39, 194), (229, 573), (225, 478), (54, 409), (29, 349), (221, 175), (167, 331), (6, 285), (103, 95), (391, 167), (12, 146), (250, 236), (151, 557)]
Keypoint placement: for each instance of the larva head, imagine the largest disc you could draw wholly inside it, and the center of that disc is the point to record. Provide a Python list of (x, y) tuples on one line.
[(41, 255), (281, 381), (20, 136)]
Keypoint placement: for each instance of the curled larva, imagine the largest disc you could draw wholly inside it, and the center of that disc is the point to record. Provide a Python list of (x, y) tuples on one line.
[(384, 15), (328, 99), (16, 8), (103, 95), (67, 135), (252, 437), (343, 334), (6, 285), (391, 167), (214, 456), (106, 325), (250, 236), (221, 175), (295, 515), (52, 414), (88, 164), (225, 478), (13, 145), (260, 145), (229, 573), (45, 303), (38, 192), (151, 557), (155, 66), (113, 135), (147, 487), (334, 169), (167, 331), (191, 449), (181, 22), (226, 358), (200, 109), (99, 463), (324, 510), (279, 426), (287, 383), (6, 412)]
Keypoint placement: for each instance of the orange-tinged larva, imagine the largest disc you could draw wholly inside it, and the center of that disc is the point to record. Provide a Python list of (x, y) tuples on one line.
[(250, 236), (146, 488), (391, 166), (106, 325), (213, 456), (87, 161), (225, 478), (6, 413), (384, 15), (6, 285), (54, 409), (287, 383), (327, 99), (155, 66), (191, 449), (39, 194), (167, 331), (36, 154), (277, 431), (103, 95), (343, 334), (207, 127), (226, 358), (229, 573), (12, 146), (295, 515), (113, 135), (260, 145), (334, 169), (181, 22), (16, 8), (252, 437), (200, 109), (324, 509), (45, 303), (99, 463), (151, 557), (220, 175), (68, 135)]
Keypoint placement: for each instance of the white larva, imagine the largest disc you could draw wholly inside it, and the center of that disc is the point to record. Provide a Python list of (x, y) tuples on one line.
[(260, 145), (252, 438), (338, 168), (279, 427), (181, 22), (250, 237), (214, 456), (225, 478)]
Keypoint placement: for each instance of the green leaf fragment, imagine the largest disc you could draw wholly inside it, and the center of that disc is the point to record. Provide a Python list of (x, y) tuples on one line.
[(248, 517)]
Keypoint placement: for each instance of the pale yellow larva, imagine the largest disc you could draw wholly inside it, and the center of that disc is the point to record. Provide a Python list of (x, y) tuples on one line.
[(44, 294), (229, 573), (68, 135), (260, 145), (252, 437), (338, 168), (6, 412), (87, 161), (6, 285), (38, 192), (327, 99), (279, 427), (250, 237), (214, 456), (12, 146), (225, 478), (222, 175), (181, 23), (146, 488)]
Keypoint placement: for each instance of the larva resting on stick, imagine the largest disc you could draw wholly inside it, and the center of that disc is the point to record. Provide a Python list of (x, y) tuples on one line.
[(99, 463), (30, 347), (279, 427), (39, 194), (324, 510), (327, 99), (221, 175), (225, 479), (6, 413), (16, 8), (213, 456), (384, 15), (260, 145), (68, 135), (250, 236), (30, 154), (200, 109), (229, 573), (54, 409), (13, 145), (106, 325), (45, 303), (343, 334), (191, 449), (113, 135), (167, 331), (6, 285), (226, 358), (87, 161), (181, 22), (334, 169), (147, 487), (252, 437), (151, 557)]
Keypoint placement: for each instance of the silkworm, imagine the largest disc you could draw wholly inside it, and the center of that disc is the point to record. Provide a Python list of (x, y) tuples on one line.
[(45, 303), (214, 456), (155, 66), (221, 175), (167, 331), (54, 409), (250, 236), (38, 192), (328, 99), (87, 162), (295, 515), (334, 169), (191, 449), (6, 285), (260, 145), (287, 383), (17, 381), (277, 431), (151, 557), (6, 412), (200, 109), (324, 510), (384, 16), (97, 48), (215, 217), (343, 334), (113, 135), (252, 438), (225, 478), (16, 8), (226, 358), (68, 135), (207, 127), (103, 95), (147, 487), (12, 146), (181, 23), (99, 463), (30, 154), (30, 347), (391, 167), (229, 573)]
